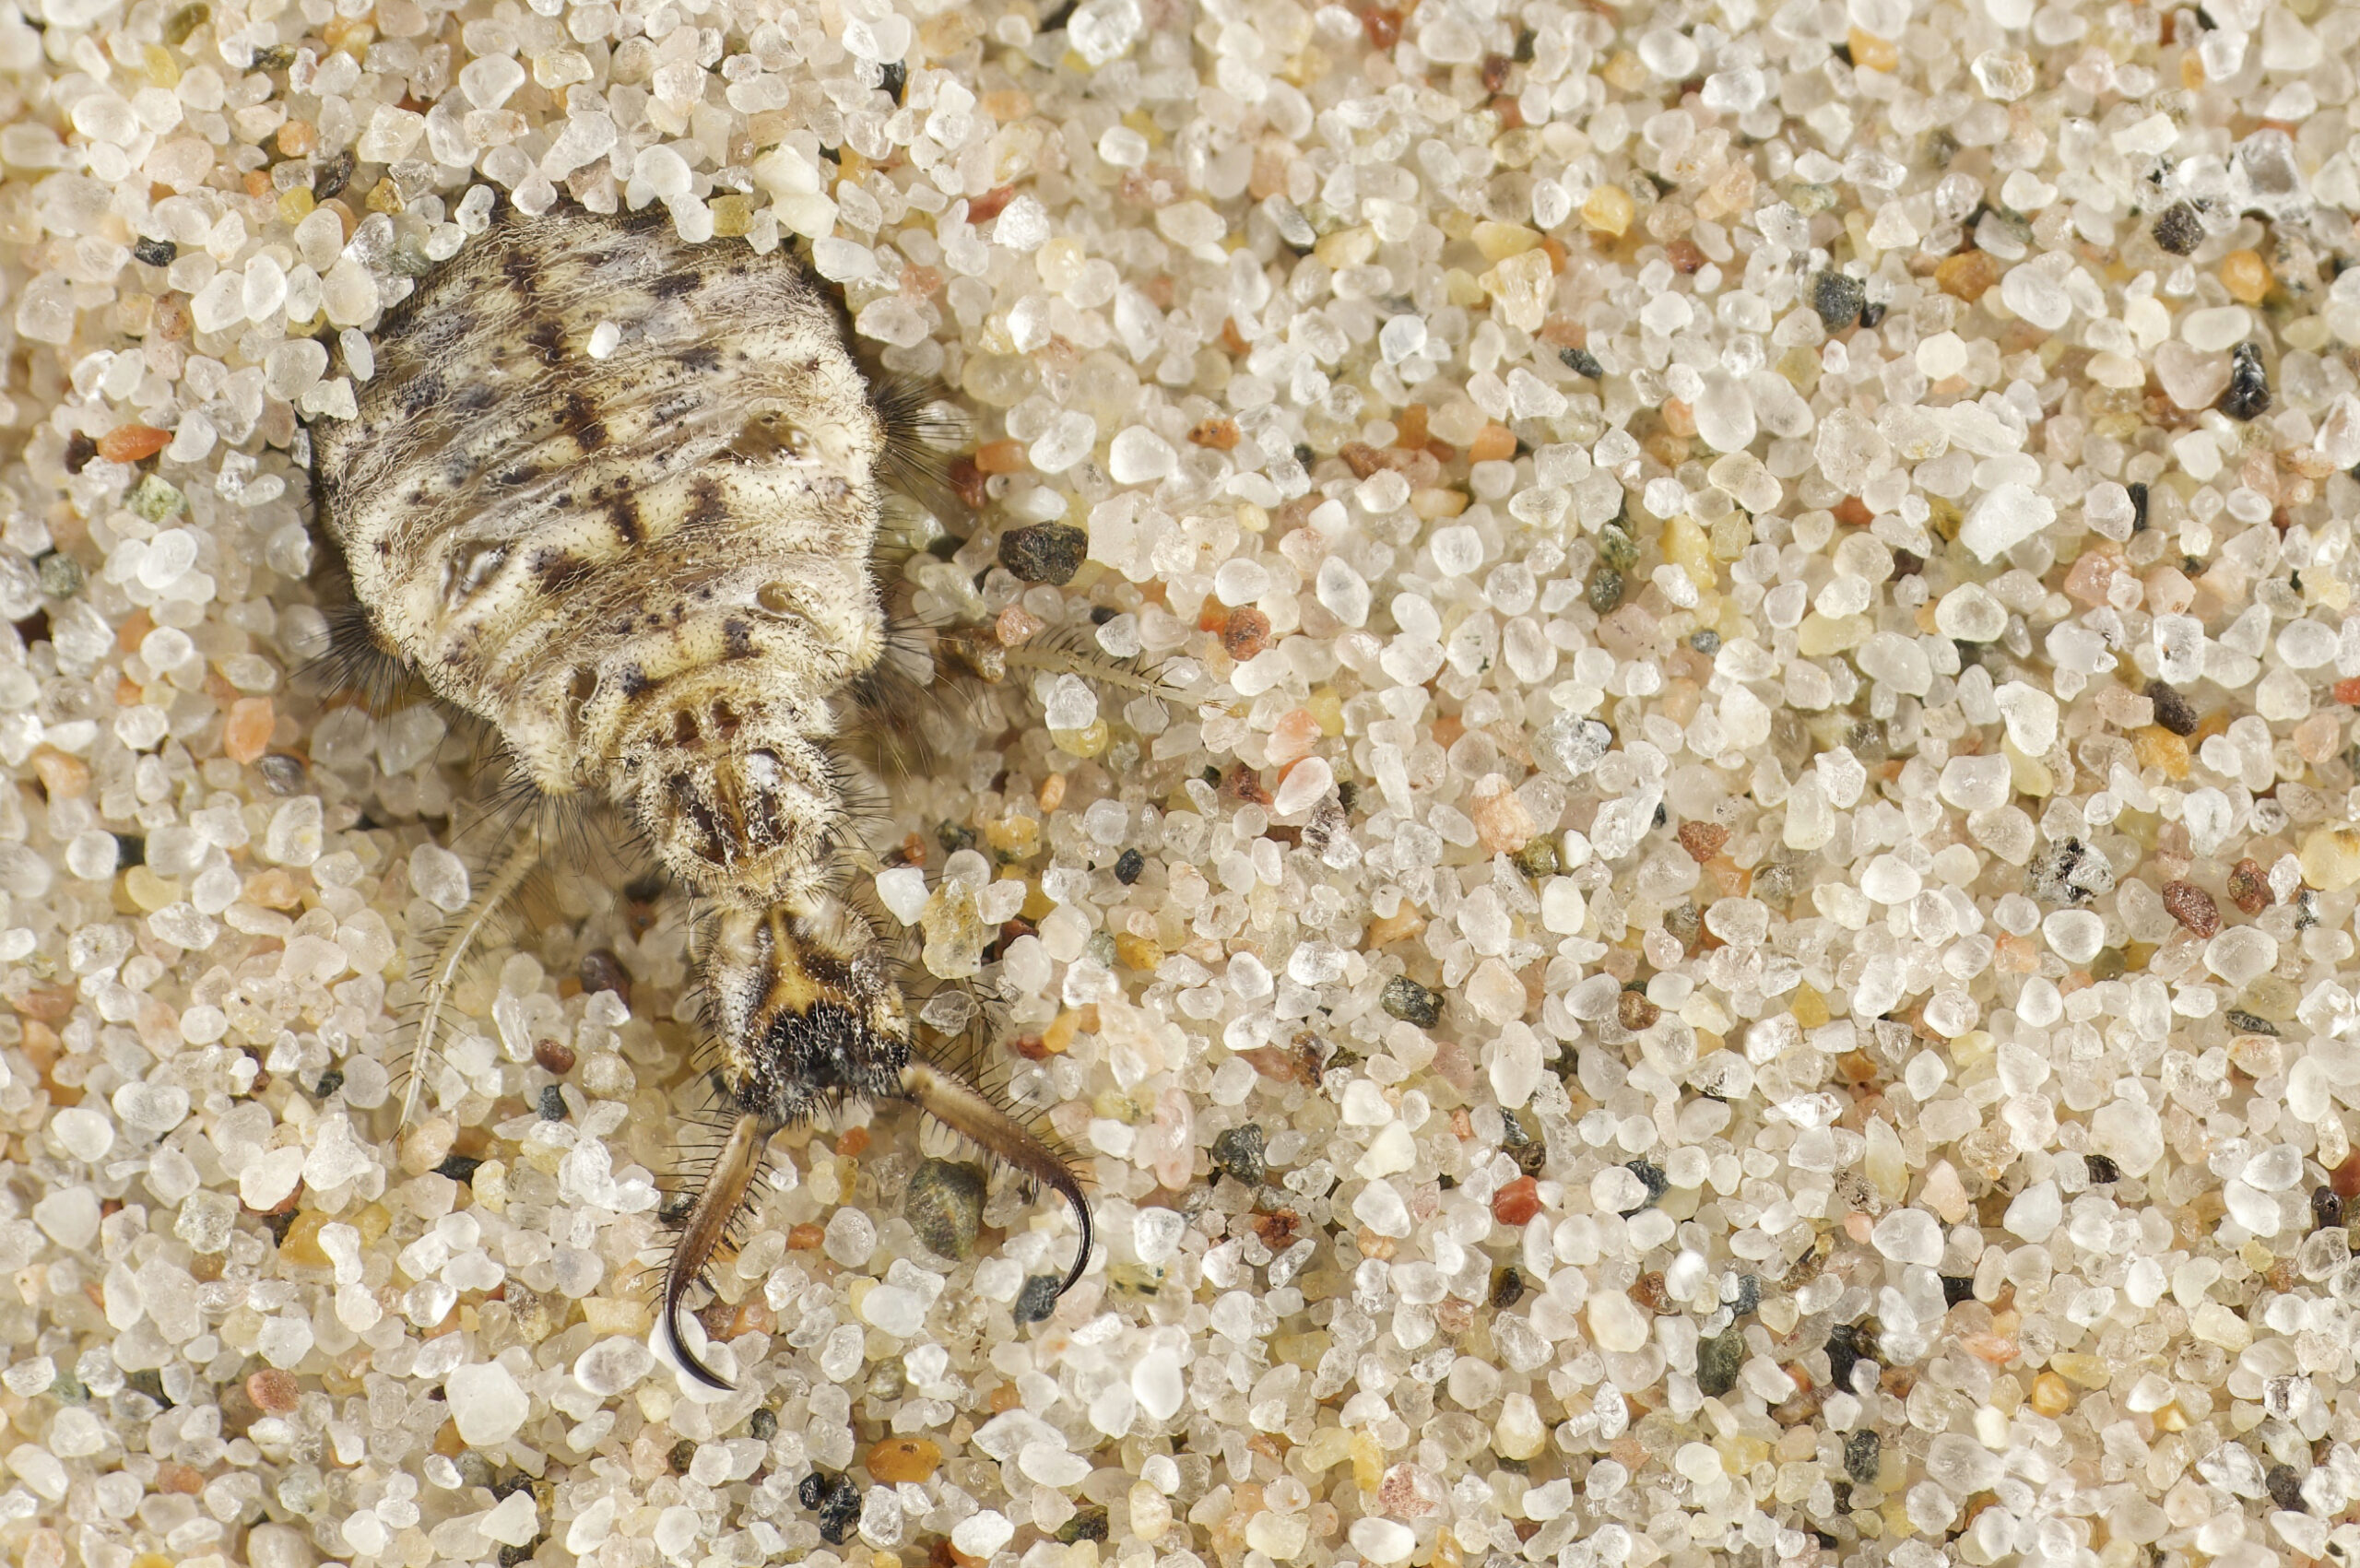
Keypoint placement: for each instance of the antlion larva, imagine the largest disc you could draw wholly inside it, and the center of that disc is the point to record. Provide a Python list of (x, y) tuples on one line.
[(619, 496)]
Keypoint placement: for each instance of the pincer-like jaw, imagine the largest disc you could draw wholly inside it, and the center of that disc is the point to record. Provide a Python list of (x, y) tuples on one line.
[(806, 1015), (964, 1108), (728, 1185)]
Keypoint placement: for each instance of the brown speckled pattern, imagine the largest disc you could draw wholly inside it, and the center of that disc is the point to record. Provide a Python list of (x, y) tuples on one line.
[(617, 496)]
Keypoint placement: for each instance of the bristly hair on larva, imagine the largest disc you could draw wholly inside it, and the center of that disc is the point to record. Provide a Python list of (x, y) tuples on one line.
[(619, 497)]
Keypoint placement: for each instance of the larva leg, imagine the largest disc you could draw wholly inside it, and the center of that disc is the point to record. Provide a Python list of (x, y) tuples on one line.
[(964, 1108), (1058, 657), (977, 654), (454, 953)]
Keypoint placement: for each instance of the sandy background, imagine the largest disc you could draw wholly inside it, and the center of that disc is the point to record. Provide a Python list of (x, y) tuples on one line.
[(1744, 946)]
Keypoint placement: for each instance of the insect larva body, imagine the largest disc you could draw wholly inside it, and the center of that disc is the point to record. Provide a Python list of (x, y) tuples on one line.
[(617, 497)]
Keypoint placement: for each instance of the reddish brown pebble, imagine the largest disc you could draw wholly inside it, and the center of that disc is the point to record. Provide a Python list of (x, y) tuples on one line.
[(2345, 1177), (904, 1460), (1277, 1228), (554, 1056), (274, 1391), (1281, 1065), (1648, 1289), (1635, 1011), (181, 1479), (1245, 633), (1855, 512), (246, 735), (1702, 841), (1517, 1202), (1685, 255), (968, 480), (2192, 907), (805, 1237), (602, 971), (2248, 887), (129, 443), (1221, 435), (988, 206), (1383, 27), (1000, 456)]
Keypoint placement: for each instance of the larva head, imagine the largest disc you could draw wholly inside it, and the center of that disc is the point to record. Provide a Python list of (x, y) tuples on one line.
[(729, 788), (805, 1009)]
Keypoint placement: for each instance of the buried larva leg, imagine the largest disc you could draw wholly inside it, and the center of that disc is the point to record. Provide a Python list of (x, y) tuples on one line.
[(453, 956)]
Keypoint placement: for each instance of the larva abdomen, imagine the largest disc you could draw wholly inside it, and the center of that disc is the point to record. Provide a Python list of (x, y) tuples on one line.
[(617, 496)]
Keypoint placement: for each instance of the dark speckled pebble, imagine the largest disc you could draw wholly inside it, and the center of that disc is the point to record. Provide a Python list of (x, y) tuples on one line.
[(1581, 361), (1863, 1453), (2177, 229), (839, 1511), (1238, 1153), (1412, 1003), (1044, 552), (1605, 589), (2174, 712), (1837, 298), (1036, 1299), (1718, 1361), (1651, 1178), (2248, 394), (945, 1206), (60, 574)]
